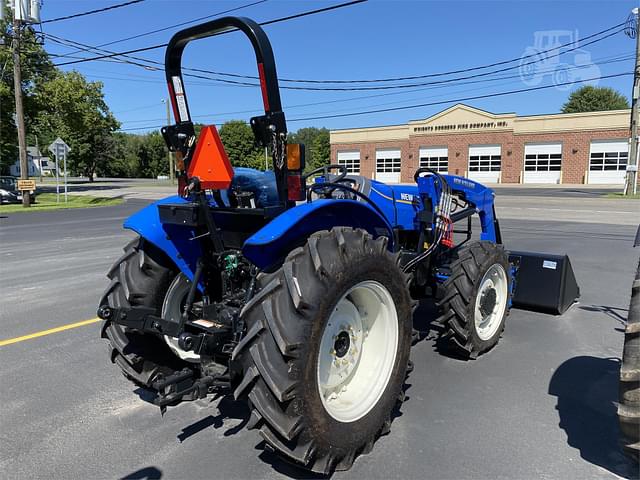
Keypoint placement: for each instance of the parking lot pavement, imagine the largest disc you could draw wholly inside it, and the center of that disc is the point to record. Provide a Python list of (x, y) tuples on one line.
[(541, 404)]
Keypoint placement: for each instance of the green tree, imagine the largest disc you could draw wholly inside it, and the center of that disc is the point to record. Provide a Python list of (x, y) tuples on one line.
[(239, 143), (36, 69), (123, 158), (153, 156), (317, 147), (594, 99), (74, 109), (320, 150)]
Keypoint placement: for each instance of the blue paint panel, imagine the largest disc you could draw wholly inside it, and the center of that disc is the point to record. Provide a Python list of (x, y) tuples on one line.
[(171, 239), (292, 227)]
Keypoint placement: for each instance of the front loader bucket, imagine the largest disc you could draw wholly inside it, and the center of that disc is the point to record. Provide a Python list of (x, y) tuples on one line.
[(543, 282)]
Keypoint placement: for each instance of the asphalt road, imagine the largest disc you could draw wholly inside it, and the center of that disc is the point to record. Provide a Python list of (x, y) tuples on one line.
[(540, 405), (146, 188)]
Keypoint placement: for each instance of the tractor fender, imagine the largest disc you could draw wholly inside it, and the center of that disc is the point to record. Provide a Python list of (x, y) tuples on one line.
[(289, 230), (174, 240)]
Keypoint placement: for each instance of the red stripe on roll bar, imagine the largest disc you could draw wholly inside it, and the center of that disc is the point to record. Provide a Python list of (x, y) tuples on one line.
[(174, 107), (263, 87)]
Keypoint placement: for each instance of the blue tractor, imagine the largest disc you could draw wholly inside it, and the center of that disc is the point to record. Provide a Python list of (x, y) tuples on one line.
[(295, 292)]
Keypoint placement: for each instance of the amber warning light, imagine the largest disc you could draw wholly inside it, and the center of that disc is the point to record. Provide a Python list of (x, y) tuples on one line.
[(210, 162)]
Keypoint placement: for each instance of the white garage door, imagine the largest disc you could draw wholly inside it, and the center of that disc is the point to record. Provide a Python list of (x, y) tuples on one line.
[(542, 162), (388, 165), (350, 159), (435, 158), (485, 163), (608, 161)]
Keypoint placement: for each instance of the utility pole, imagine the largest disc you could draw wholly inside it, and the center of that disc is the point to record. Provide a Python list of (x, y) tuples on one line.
[(17, 86), (630, 187), (171, 169)]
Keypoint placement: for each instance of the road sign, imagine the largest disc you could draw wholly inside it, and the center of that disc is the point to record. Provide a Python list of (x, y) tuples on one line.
[(60, 149), (26, 185)]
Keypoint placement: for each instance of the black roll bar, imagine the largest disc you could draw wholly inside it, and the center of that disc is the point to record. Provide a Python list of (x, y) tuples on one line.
[(269, 129), (261, 47)]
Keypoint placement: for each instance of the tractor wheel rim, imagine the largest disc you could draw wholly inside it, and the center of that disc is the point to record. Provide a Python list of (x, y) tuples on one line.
[(357, 351), (172, 307), (491, 301)]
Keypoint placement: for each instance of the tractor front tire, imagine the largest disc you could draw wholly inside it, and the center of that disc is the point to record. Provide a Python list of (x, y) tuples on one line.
[(475, 298), (325, 355), (629, 404), (140, 277)]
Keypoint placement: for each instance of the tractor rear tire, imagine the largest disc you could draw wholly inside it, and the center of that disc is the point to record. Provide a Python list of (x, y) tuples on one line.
[(629, 395), (475, 269), (303, 309), (140, 277)]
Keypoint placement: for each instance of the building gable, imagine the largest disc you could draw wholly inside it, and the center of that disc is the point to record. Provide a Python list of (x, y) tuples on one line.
[(462, 118)]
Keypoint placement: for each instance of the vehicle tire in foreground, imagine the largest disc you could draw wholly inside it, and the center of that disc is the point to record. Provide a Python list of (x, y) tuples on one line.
[(629, 395), (475, 298), (140, 277), (325, 355)]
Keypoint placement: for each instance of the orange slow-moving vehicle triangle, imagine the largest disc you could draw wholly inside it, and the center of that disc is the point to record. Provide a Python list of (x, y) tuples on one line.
[(210, 162)]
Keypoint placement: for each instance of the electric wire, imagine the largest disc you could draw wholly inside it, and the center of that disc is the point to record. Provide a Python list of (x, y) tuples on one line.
[(91, 12), (459, 100), (574, 46), (605, 60), (269, 22), (359, 88), (442, 102), (140, 35)]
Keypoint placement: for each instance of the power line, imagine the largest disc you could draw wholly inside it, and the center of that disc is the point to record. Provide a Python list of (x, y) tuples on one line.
[(363, 88), (407, 85), (270, 22), (575, 45), (348, 89), (459, 100), (442, 102), (603, 61), (224, 12), (91, 12)]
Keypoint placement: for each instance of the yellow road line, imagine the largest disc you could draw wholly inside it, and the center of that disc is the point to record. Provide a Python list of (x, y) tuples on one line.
[(42, 333)]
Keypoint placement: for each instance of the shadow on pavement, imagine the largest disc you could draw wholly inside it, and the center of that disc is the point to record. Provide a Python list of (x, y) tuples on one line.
[(611, 312), (147, 473), (587, 392), (227, 408)]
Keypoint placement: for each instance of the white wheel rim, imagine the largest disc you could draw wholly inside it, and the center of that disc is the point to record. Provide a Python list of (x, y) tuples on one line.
[(489, 310), (172, 311), (351, 380)]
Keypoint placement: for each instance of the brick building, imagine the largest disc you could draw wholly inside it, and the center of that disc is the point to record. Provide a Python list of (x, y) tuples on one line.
[(492, 148)]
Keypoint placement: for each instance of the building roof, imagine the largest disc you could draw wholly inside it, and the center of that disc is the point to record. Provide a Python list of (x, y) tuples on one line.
[(464, 119)]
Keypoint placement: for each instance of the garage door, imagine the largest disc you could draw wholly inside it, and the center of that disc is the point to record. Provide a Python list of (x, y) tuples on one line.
[(388, 165), (350, 160), (542, 162), (485, 163), (436, 158), (608, 161)]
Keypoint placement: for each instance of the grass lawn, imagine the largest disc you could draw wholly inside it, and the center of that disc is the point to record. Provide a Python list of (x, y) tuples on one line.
[(47, 201), (624, 197)]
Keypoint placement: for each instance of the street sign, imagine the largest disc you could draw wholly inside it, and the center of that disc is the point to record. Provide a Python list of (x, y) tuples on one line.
[(60, 149), (26, 185)]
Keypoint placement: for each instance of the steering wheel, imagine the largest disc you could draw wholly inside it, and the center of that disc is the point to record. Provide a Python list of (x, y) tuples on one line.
[(325, 192), (325, 172)]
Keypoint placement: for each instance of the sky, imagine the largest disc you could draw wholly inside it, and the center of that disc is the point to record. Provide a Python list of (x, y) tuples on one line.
[(372, 40)]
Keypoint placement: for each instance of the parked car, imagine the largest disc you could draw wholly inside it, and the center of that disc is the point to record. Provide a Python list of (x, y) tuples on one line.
[(9, 192)]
